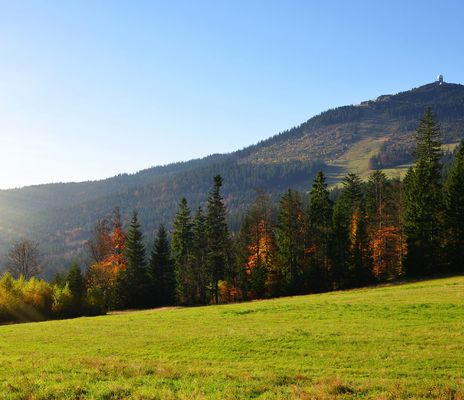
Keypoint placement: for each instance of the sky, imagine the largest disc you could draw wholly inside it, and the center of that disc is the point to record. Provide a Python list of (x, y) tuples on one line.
[(93, 88)]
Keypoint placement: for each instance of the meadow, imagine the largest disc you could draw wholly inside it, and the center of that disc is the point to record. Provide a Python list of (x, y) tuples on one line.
[(389, 342)]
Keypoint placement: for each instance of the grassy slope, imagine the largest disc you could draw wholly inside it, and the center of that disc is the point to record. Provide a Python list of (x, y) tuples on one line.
[(400, 342), (356, 159)]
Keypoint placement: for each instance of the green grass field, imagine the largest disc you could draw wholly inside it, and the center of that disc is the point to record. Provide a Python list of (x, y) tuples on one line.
[(391, 342)]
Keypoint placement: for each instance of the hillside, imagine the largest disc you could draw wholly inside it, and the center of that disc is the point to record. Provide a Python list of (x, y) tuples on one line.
[(391, 342), (373, 134)]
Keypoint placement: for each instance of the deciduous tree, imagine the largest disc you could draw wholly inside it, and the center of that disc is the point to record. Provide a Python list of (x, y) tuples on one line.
[(24, 259)]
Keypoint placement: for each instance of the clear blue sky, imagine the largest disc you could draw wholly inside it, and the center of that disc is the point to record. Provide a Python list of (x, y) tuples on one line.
[(89, 89)]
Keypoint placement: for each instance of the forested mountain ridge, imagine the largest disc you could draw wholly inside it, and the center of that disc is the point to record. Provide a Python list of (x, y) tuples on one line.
[(373, 134)]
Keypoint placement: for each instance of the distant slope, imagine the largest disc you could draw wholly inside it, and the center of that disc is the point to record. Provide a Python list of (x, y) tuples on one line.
[(390, 342), (373, 134)]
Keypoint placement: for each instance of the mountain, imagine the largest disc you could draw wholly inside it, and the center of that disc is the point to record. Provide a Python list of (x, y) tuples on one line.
[(374, 134)]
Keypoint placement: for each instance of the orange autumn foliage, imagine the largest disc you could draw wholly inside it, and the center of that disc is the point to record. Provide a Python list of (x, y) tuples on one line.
[(102, 275), (227, 292), (261, 249), (387, 248), (354, 227)]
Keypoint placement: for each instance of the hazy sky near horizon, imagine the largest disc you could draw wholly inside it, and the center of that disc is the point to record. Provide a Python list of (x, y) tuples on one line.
[(90, 89)]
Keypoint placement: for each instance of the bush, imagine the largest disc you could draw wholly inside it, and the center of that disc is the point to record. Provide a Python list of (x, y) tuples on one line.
[(94, 302), (62, 301), (24, 300)]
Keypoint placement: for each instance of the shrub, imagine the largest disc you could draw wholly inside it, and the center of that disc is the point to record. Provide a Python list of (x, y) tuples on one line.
[(24, 300)]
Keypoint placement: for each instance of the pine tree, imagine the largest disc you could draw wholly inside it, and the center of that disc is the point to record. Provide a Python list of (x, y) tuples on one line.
[(161, 270), (291, 243), (132, 285), (339, 245), (454, 213), (182, 247), (350, 238), (200, 253), (320, 223), (76, 285), (218, 238), (424, 201)]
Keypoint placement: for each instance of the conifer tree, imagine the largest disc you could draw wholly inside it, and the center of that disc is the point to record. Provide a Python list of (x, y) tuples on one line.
[(350, 238), (76, 285), (454, 213), (182, 246), (320, 224), (161, 270), (132, 285), (218, 238), (424, 201), (291, 243), (200, 253), (339, 248)]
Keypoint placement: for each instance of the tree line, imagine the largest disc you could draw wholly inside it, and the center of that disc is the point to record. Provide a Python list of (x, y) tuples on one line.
[(362, 233), (372, 231)]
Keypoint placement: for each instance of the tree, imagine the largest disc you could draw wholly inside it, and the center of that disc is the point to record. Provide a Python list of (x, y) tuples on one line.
[(291, 241), (102, 276), (350, 251), (384, 231), (118, 242), (200, 257), (24, 259), (424, 201), (218, 237), (454, 212), (320, 224), (133, 281), (258, 263), (99, 245), (161, 270), (182, 245), (76, 285)]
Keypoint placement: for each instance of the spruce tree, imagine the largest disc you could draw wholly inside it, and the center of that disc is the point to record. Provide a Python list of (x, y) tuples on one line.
[(320, 223), (76, 285), (161, 270), (339, 244), (291, 243), (200, 253), (424, 201), (218, 238), (133, 281), (350, 238), (454, 213), (182, 246)]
